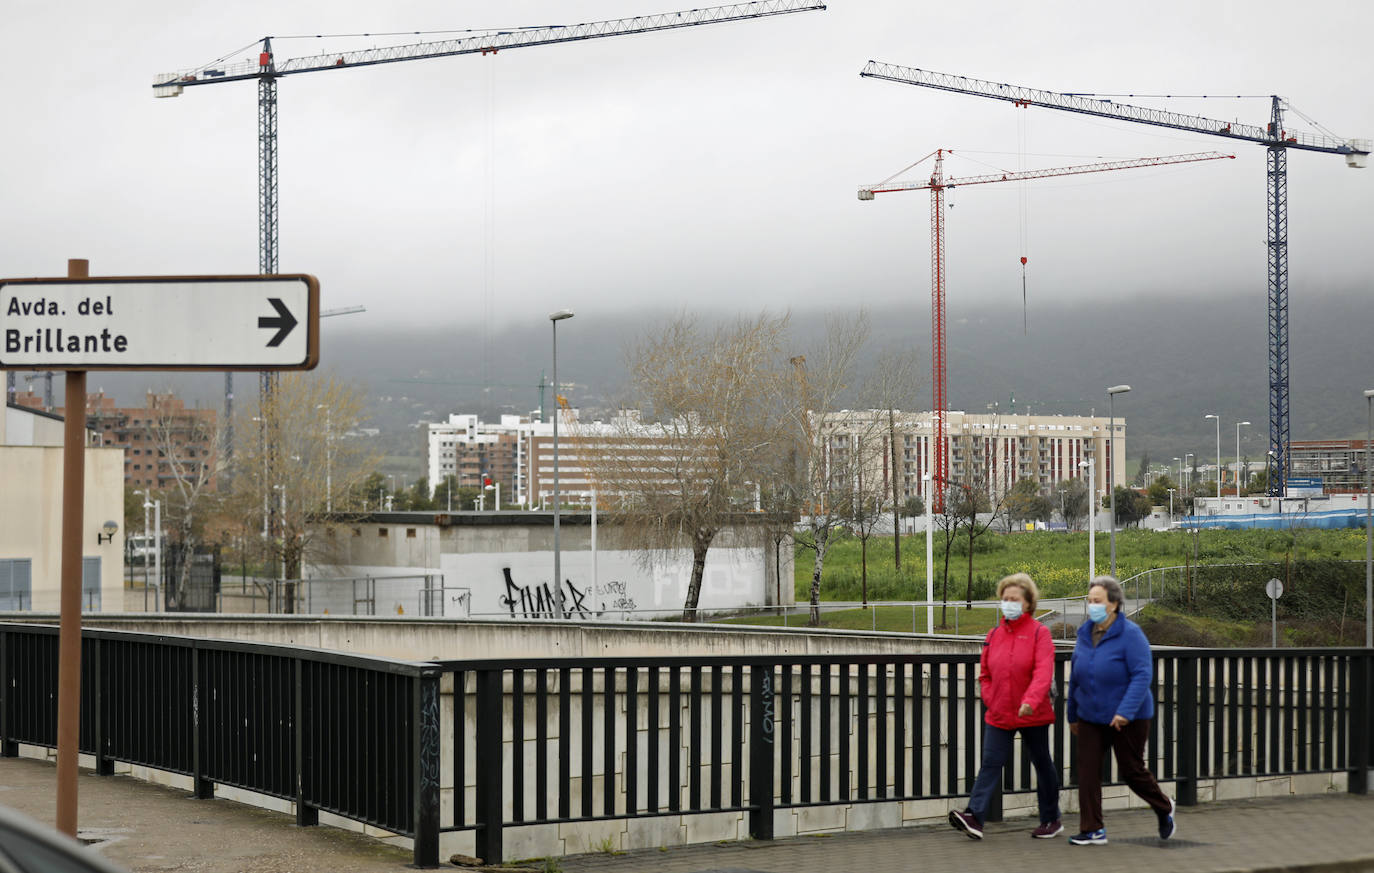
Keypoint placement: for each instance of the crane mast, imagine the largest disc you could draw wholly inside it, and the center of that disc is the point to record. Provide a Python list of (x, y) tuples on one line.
[(937, 184), (1273, 136)]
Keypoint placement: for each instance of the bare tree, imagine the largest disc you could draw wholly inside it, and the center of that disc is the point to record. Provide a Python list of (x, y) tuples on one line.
[(303, 465), (190, 461), (836, 446), (704, 418)]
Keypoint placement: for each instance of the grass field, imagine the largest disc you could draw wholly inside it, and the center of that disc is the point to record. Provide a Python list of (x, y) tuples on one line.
[(1056, 560)]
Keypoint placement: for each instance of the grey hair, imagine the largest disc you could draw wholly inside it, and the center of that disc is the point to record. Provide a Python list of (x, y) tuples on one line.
[(1110, 586)]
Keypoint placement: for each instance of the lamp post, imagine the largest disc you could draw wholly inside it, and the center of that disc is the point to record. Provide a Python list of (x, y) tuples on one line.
[(1187, 470), (554, 318), (1178, 478), (328, 461), (1218, 418), (1239, 425), (147, 505), (1111, 460), (1368, 527), (930, 553), (1171, 506), (1092, 526)]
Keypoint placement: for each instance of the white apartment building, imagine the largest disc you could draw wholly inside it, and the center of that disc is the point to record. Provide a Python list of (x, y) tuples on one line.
[(517, 454)]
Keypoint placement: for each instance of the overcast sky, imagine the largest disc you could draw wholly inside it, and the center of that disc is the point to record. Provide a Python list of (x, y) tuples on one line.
[(713, 166)]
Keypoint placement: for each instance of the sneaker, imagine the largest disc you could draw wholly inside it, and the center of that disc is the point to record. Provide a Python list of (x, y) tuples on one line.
[(1048, 830), (1089, 838), (967, 822), (1166, 822)]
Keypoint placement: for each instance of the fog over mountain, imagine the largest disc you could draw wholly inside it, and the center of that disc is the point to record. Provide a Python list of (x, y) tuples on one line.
[(1184, 356)]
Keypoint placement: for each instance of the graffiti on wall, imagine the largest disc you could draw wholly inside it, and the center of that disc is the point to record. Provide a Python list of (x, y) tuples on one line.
[(540, 600)]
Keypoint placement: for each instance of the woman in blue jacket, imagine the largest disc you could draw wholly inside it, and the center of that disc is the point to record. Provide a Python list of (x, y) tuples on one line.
[(1110, 705)]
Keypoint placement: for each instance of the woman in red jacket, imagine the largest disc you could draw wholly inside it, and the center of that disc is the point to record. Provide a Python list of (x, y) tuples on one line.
[(1014, 675)]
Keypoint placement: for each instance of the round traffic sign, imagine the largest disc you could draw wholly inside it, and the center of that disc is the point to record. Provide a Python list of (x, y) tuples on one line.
[(1274, 588)]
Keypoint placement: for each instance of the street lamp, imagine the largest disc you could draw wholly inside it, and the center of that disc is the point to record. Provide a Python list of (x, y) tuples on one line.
[(328, 460), (1368, 528), (1171, 506), (1218, 418), (1239, 425), (554, 318), (1187, 471), (930, 553), (1178, 479), (1092, 526), (1111, 460)]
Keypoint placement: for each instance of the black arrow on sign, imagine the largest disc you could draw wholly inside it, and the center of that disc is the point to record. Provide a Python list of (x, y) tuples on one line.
[(284, 321)]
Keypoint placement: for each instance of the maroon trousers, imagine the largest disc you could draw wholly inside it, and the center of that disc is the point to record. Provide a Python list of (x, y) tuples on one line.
[(1129, 746)]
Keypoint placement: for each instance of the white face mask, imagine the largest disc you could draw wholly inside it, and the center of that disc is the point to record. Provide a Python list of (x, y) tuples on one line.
[(1012, 609)]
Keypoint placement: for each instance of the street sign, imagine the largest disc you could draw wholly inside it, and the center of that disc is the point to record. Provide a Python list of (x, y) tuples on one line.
[(160, 323), (1274, 588)]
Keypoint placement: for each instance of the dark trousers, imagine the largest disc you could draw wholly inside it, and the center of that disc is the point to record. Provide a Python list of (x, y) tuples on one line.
[(1129, 746), (996, 754)]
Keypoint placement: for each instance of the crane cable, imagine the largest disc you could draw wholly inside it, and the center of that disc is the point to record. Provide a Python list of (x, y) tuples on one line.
[(1021, 166)]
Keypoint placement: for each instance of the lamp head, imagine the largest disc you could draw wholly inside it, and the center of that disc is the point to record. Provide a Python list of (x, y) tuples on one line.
[(560, 315), (1369, 392), (1242, 424), (1118, 389), (1210, 415)]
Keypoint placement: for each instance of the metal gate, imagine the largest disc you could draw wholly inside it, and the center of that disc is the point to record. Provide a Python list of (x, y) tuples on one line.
[(201, 590)]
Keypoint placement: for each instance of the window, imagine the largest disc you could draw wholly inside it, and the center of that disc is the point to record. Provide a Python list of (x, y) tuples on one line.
[(410, 533), (357, 531), (382, 532), (16, 583)]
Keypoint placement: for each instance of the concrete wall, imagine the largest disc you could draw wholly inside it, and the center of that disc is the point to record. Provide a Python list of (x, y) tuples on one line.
[(440, 639), (472, 551), (31, 518)]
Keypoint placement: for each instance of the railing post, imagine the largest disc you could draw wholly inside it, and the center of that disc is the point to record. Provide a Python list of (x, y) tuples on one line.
[(306, 815), (8, 748), (426, 778), (1186, 732), (490, 765), (1360, 727), (203, 788), (762, 717), (104, 766)]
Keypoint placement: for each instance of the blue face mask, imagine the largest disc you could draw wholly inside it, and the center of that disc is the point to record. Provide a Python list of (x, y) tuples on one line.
[(1097, 612), (1012, 609)]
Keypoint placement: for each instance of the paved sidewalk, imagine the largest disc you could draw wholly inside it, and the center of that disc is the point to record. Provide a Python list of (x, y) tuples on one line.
[(1331, 833), (151, 828)]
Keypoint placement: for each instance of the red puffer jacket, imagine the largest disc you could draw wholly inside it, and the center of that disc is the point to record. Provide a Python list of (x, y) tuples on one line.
[(1017, 667)]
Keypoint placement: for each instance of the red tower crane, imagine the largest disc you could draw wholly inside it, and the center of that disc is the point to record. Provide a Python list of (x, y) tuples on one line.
[(937, 184)]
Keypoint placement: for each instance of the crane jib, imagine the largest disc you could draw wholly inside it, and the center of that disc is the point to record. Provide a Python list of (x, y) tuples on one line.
[(1106, 108), (488, 43)]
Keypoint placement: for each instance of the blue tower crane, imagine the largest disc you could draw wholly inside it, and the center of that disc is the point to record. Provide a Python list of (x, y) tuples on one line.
[(1273, 137), (266, 69)]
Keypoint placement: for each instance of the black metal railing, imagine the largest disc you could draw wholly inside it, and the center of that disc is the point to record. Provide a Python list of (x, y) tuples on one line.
[(350, 735), (696, 735), (484, 746)]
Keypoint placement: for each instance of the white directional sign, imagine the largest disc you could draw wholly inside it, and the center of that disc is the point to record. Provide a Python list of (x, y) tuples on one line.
[(160, 323)]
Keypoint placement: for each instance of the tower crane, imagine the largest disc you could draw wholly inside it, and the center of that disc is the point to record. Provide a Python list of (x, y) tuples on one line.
[(267, 68), (1274, 137), (938, 184)]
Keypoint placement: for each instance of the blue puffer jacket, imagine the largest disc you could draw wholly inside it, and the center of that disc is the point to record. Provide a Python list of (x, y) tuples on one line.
[(1112, 678)]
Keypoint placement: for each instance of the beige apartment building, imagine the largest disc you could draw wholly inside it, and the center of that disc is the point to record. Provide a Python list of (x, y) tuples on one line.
[(31, 517), (996, 451)]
